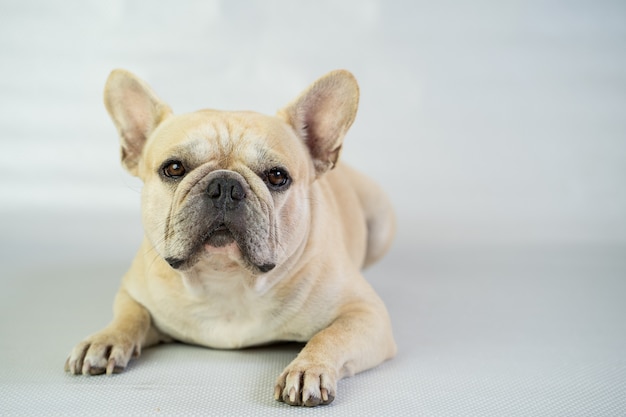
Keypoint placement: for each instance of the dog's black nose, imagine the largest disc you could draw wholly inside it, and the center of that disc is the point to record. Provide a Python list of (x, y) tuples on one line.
[(226, 193)]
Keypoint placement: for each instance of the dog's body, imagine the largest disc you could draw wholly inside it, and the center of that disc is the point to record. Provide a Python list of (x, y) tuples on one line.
[(251, 237)]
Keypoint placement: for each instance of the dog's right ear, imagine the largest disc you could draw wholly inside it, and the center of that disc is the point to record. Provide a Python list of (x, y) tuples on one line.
[(136, 111)]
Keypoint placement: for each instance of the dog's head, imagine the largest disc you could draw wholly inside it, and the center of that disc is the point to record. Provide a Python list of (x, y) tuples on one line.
[(230, 188)]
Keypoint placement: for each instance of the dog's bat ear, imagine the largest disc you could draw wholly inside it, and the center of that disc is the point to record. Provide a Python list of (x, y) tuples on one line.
[(136, 111), (322, 115)]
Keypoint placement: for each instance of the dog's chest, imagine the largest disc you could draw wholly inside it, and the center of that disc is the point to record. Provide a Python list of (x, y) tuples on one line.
[(222, 315)]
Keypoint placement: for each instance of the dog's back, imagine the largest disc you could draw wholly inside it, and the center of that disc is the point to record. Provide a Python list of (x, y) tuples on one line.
[(375, 205)]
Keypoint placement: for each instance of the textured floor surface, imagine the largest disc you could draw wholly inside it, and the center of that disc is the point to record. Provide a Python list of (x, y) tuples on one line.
[(481, 331)]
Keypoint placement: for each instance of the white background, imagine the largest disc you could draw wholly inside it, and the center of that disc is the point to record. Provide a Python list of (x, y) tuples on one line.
[(486, 121)]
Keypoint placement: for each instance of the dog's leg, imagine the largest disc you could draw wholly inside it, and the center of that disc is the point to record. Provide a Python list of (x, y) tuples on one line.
[(359, 339), (110, 349)]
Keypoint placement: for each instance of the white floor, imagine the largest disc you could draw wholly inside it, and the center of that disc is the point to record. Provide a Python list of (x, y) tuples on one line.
[(498, 330), (497, 128)]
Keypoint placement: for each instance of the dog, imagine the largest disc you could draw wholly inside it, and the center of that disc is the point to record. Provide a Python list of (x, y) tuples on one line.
[(254, 233)]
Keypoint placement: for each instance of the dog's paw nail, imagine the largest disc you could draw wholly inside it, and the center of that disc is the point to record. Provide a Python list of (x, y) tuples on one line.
[(292, 396), (110, 366), (73, 369), (86, 367), (324, 394)]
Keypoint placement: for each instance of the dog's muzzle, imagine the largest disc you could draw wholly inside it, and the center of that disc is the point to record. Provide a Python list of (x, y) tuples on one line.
[(219, 218)]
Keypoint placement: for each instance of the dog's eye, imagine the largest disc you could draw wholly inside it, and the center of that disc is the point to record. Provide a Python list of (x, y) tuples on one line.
[(277, 177), (174, 169)]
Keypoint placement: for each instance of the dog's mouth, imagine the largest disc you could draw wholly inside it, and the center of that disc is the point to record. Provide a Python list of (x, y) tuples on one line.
[(223, 239), (219, 237)]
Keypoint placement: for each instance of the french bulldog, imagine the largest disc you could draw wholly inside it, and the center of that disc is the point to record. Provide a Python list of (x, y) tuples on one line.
[(254, 233)]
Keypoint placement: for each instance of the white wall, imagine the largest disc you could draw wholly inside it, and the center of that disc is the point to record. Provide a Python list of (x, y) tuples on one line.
[(487, 121)]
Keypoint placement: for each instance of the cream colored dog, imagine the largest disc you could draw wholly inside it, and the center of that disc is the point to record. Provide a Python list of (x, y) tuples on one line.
[(251, 237)]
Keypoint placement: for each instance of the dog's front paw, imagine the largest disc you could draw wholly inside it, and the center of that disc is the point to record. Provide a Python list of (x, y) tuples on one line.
[(104, 352), (308, 384)]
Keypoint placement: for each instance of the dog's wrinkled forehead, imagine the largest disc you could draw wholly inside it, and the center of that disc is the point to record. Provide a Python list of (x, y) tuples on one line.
[(228, 138)]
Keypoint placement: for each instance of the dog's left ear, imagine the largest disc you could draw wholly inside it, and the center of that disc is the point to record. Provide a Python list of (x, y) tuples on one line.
[(322, 115)]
